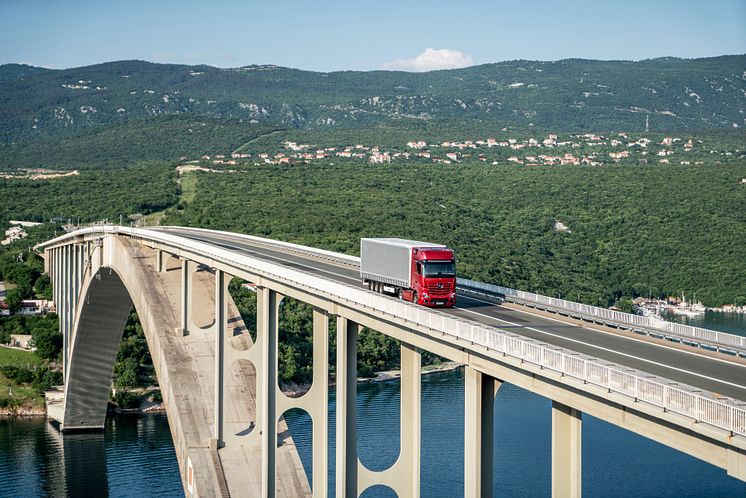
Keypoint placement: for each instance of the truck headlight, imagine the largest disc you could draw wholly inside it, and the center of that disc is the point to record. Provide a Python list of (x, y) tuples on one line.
[(425, 296), (453, 295)]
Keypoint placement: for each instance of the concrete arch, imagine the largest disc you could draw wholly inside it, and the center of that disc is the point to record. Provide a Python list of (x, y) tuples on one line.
[(101, 317), (121, 273)]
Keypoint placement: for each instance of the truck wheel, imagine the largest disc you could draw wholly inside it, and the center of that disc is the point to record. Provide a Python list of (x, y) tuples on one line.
[(414, 297)]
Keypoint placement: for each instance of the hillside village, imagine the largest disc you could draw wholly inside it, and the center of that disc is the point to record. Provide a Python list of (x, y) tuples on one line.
[(578, 149)]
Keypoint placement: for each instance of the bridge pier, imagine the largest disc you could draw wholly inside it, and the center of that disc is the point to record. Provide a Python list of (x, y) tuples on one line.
[(566, 451), (267, 312), (479, 399), (346, 451), (186, 296), (221, 328), (159, 266), (404, 476), (66, 291), (315, 403)]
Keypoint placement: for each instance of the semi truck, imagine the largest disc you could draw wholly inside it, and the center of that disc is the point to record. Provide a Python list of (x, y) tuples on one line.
[(415, 271)]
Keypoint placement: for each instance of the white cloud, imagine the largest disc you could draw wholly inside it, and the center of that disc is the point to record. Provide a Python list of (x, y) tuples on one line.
[(430, 60)]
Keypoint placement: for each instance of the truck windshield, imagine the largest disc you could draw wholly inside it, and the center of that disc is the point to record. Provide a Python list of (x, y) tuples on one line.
[(439, 269)]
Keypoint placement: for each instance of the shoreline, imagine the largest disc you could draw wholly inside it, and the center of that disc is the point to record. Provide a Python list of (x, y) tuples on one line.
[(297, 391), (294, 391)]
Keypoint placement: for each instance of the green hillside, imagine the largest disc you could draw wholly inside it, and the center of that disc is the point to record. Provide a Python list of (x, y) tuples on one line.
[(166, 137), (568, 95)]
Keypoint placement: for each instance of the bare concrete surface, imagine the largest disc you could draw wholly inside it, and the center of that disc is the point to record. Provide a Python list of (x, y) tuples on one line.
[(186, 371)]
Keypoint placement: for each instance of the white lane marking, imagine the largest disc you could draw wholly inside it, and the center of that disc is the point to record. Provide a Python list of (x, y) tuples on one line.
[(583, 326), (609, 350)]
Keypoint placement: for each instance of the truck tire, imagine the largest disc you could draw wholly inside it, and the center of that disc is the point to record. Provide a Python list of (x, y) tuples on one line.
[(414, 297)]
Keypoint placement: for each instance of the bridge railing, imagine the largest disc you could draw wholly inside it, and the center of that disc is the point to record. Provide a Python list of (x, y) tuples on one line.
[(725, 413), (642, 323)]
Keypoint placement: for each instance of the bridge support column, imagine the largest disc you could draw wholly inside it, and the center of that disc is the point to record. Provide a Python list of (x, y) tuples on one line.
[(411, 419), (404, 476), (566, 451), (221, 327), (76, 284), (158, 260), (346, 450), (186, 297), (316, 403), (479, 410), (320, 398), (267, 312), (56, 279), (67, 264)]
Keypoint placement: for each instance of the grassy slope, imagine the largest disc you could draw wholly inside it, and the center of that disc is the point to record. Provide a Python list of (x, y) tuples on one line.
[(19, 395)]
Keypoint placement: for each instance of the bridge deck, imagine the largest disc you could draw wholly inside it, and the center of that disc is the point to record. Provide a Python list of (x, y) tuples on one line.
[(717, 373)]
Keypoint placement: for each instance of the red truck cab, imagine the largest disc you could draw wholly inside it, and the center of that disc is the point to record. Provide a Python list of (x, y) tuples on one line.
[(433, 277)]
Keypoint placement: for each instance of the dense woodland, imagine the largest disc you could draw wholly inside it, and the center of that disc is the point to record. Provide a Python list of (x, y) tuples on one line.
[(91, 196), (120, 145), (633, 230)]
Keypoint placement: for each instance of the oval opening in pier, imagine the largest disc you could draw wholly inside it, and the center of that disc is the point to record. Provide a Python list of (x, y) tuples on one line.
[(244, 297), (295, 346), (378, 491), (295, 429)]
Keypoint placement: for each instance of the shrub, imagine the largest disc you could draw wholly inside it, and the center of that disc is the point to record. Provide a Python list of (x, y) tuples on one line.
[(125, 373), (45, 379), (125, 399), (17, 374)]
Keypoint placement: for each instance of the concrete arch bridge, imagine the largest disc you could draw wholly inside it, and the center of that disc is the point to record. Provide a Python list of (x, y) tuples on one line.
[(225, 407)]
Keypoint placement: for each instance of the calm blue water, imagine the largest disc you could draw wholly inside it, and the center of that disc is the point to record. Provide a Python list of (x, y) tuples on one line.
[(133, 457), (732, 323), (616, 463)]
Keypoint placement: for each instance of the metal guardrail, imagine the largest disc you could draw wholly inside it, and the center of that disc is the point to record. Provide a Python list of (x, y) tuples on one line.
[(697, 335), (724, 414)]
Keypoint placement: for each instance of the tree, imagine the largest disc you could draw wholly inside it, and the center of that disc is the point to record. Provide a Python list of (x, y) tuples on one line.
[(125, 373), (48, 343), (626, 305), (14, 299), (43, 286)]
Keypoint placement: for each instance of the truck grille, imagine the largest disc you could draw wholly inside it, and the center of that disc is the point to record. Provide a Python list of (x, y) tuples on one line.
[(445, 289)]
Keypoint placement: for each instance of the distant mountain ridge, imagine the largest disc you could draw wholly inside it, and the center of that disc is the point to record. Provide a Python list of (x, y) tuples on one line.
[(567, 95)]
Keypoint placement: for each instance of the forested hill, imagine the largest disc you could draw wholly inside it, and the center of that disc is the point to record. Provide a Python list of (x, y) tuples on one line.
[(568, 95)]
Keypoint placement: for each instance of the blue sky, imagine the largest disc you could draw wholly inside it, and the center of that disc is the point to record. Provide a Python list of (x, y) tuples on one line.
[(364, 35)]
